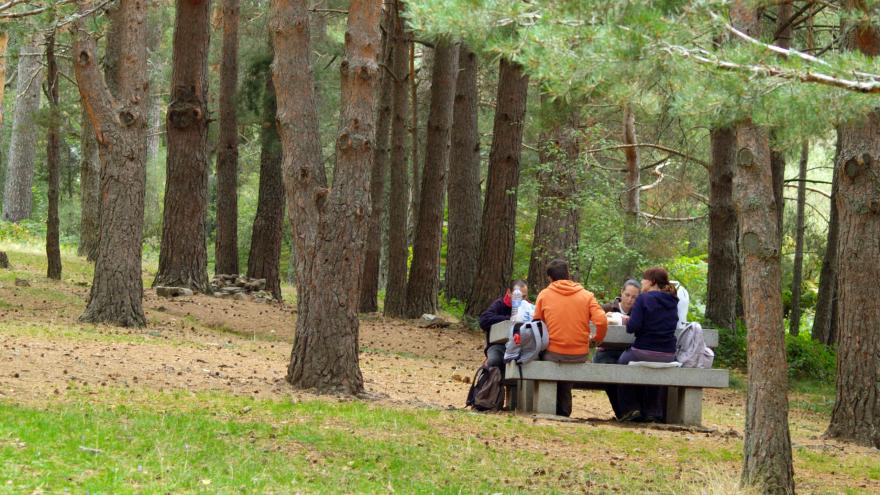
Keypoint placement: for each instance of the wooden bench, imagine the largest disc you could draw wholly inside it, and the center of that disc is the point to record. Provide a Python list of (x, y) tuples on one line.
[(685, 385)]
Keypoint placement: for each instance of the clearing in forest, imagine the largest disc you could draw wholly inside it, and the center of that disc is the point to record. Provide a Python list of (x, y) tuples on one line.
[(196, 403)]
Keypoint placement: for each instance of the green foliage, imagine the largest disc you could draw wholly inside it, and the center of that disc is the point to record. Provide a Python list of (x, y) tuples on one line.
[(807, 358), (732, 348)]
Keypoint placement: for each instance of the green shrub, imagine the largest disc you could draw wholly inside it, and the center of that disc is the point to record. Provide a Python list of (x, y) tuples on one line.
[(807, 358)]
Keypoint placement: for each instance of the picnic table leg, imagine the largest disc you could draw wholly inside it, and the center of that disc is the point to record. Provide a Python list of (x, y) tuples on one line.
[(691, 406), (673, 405), (525, 390), (545, 397)]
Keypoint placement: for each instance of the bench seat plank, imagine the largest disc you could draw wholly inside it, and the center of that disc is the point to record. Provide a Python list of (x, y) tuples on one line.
[(616, 336), (619, 374)]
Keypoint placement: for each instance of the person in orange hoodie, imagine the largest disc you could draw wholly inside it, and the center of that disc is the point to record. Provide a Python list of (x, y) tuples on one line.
[(567, 309)]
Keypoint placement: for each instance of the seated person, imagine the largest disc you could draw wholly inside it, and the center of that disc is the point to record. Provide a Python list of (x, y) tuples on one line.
[(567, 309), (623, 305), (499, 310), (653, 320)]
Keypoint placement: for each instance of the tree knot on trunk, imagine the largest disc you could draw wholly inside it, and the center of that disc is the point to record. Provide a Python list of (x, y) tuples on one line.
[(854, 166), (84, 58), (186, 107), (745, 158), (321, 196), (752, 245), (127, 117)]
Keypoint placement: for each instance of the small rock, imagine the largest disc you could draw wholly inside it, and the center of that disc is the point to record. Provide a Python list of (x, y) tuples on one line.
[(173, 291), (241, 296), (20, 282), (432, 321)]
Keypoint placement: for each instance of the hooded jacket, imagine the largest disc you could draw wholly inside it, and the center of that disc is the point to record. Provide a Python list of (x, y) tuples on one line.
[(567, 309), (653, 320)]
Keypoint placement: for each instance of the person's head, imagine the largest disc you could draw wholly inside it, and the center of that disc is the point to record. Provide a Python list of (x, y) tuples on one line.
[(656, 279), (523, 288), (558, 270), (629, 293)]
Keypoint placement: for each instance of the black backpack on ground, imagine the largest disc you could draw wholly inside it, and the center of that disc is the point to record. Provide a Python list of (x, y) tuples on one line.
[(486, 393)]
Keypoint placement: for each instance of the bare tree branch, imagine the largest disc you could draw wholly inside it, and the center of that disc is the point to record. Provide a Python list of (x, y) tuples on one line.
[(654, 146)]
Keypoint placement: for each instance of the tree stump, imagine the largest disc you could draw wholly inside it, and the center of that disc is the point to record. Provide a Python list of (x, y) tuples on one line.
[(4, 260)]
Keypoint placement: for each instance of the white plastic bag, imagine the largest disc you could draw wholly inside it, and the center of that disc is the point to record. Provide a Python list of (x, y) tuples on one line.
[(525, 313)]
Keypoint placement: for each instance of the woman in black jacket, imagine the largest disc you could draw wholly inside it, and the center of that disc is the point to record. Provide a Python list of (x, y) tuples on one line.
[(653, 320)]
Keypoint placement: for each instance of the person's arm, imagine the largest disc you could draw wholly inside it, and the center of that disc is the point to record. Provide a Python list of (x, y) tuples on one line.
[(539, 309), (493, 314), (597, 316), (636, 317)]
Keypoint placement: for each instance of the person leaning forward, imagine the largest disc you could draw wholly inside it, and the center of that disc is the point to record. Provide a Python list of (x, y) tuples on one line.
[(567, 309)]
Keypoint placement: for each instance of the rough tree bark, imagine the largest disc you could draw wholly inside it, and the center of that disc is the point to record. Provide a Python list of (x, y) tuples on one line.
[(797, 276), (90, 192), (721, 285), (226, 242), (370, 284), (556, 227), (395, 289), (423, 283), (183, 255), (23, 140), (767, 444), (415, 194), (633, 179), (497, 230), (264, 259), (767, 463), (329, 224), (120, 126), (856, 414), (53, 165), (4, 43), (463, 235), (825, 321)]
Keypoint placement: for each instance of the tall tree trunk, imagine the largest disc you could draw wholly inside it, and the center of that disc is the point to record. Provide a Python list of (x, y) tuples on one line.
[(423, 283), (856, 414), (556, 227), (463, 234), (767, 444), (767, 462), (120, 125), (226, 243), (53, 165), (90, 192), (797, 278), (370, 284), (23, 141), (722, 282), (415, 194), (825, 320), (633, 180), (783, 36), (264, 258), (329, 224), (498, 228), (183, 255), (395, 290), (4, 43)]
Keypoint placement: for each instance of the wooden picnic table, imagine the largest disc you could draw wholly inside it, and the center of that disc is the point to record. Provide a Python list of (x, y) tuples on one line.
[(615, 338)]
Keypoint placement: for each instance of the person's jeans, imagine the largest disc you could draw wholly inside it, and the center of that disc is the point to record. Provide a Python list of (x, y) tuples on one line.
[(610, 356), (563, 389), (650, 401), (495, 356)]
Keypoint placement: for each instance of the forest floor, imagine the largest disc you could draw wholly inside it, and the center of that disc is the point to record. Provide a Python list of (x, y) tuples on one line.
[(196, 403)]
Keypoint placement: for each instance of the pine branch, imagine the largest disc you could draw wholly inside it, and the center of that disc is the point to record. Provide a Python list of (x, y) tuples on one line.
[(654, 146)]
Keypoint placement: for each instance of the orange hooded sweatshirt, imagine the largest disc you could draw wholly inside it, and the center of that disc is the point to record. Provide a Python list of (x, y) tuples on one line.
[(567, 309)]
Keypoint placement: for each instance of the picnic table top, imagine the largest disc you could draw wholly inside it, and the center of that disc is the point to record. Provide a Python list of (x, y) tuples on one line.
[(616, 336)]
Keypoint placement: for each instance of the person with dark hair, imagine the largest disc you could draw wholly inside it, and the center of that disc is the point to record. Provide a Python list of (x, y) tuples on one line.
[(653, 320), (567, 309), (623, 305), (499, 310)]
